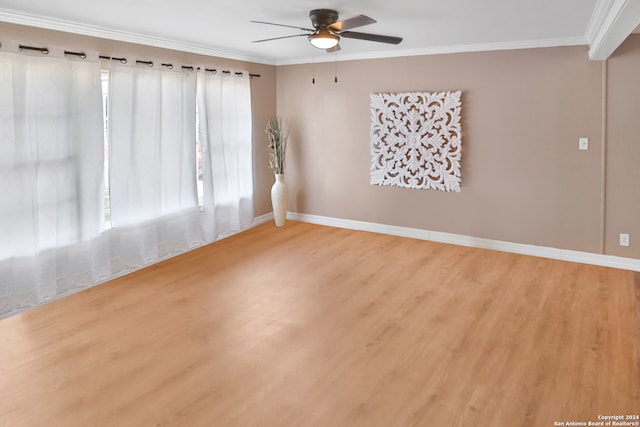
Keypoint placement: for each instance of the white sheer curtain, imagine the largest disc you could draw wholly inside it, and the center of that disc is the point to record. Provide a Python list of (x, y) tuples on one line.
[(224, 109), (51, 163), (154, 203), (53, 238)]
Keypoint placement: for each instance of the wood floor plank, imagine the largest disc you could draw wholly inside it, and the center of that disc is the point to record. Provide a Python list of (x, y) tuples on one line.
[(318, 326)]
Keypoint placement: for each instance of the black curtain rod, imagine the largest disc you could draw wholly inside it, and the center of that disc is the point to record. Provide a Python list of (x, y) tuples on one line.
[(82, 55)]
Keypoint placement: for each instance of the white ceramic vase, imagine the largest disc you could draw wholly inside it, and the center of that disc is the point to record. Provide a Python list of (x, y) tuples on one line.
[(279, 193)]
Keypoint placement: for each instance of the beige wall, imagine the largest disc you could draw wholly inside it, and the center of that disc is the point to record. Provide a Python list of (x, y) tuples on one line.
[(263, 89), (623, 148), (523, 178)]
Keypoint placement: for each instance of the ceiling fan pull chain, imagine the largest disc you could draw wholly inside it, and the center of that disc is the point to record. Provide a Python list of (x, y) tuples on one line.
[(335, 69), (313, 68)]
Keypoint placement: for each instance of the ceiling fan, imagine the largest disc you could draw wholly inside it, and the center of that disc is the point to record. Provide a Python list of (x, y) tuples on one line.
[(327, 30)]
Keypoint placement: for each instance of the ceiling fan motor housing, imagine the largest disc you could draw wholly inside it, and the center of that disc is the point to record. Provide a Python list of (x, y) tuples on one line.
[(323, 17)]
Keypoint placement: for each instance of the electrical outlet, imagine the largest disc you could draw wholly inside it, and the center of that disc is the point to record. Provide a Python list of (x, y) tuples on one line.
[(624, 239), (583, 143)]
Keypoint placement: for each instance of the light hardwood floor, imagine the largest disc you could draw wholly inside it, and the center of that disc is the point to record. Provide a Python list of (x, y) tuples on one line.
[(317, 326)]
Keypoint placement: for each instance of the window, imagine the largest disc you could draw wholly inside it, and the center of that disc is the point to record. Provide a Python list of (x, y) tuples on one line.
[(68, 225), (107, 198)]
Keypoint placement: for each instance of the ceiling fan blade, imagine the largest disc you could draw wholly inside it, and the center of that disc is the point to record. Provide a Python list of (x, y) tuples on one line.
[(356, 21), (371, 37), (336, 48), (278, 38), (282, 25)]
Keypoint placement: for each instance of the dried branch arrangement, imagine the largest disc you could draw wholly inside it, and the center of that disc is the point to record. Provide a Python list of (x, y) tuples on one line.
[(278, 136)]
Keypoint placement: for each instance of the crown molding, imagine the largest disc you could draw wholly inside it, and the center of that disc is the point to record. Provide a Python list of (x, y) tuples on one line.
[(479, 47), (124, 36), (611, 23), (598, 17)]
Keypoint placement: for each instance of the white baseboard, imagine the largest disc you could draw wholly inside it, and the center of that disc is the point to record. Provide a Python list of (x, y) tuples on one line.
[(262, 219), (474, 242)]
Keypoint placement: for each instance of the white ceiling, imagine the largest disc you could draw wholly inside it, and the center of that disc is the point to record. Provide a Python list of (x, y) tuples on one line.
[(222, 28)]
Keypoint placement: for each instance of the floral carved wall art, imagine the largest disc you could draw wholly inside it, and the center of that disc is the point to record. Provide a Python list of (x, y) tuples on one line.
[(416, 140)]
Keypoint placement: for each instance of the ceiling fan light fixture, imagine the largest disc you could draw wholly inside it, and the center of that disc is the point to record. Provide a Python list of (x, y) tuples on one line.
[(324, 39)]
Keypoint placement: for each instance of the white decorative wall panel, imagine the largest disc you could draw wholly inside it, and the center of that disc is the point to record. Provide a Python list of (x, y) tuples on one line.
[(416, 140)]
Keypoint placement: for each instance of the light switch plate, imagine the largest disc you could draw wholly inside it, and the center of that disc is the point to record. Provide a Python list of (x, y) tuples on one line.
[(624, 239), (583, 144)]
